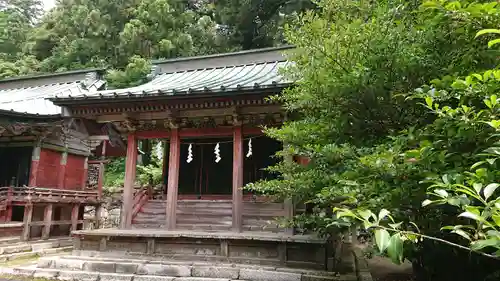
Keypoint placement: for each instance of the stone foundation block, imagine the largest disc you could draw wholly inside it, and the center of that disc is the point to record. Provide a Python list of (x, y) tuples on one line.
[(164, 270), (46, 274), (306, 271), (77, 276), (15, 249), (108, 267), (68, 264), (199, 279), (318, 278), (262, 275), (348, 277), (24, 271), (115, 277), (129, 268), (152, 278), (215, 272), (36, 247), (44, 263)]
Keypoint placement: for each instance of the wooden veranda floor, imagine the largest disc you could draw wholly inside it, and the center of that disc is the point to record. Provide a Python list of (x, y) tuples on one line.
[(161, 233)]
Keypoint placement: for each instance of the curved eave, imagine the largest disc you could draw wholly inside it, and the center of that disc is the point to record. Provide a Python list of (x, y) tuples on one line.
[(172, 94), (11, 113)]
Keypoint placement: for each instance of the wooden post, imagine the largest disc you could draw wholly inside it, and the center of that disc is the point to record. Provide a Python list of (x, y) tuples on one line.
[(128, 189), (74, 217), (173, 178), (289, 208), (237, 178), (85, 174), (47, 221), (28, 216), (164, 168), (35, 160), (8, 217), (102, 167), (62, 170), (98, 214)]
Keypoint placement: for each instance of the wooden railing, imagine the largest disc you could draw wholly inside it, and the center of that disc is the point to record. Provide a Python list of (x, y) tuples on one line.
[(38, 194), (141, 196)]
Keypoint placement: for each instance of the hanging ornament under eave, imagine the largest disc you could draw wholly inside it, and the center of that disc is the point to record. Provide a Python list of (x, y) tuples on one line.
[(249, 153), (217, 153), (190, 153)]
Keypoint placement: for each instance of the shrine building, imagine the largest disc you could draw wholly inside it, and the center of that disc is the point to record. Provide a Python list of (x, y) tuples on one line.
[(208, 112), (43, 171)]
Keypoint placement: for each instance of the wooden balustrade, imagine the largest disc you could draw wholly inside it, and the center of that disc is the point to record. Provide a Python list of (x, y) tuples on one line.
[(38, 194)]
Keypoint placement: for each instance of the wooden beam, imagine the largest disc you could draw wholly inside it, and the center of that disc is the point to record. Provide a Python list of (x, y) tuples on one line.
[(74, 217), (173, 179), (237, 179), (198, 132), (28, 216), (47, 219), (128, 189)]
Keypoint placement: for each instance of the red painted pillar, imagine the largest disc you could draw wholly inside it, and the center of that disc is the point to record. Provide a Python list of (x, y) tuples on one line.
[(102, 167), (237, 179), (173, 178), (62, 170), (35, 160), (164, 167), (128, 189), (8, 212), (85, 173)]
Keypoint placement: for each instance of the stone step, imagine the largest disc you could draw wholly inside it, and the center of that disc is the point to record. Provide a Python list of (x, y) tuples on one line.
[(37, 245), (34, 254), (9, 240), (138, 268)]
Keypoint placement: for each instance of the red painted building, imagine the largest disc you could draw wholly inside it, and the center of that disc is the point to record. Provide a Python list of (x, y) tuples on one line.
[(44, 156), (209, 111)]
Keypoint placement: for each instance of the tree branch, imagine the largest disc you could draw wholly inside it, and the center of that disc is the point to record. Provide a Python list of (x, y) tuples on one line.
[(439, 240)]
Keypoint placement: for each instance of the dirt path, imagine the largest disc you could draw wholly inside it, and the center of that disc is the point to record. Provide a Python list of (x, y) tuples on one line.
[(382, 269)]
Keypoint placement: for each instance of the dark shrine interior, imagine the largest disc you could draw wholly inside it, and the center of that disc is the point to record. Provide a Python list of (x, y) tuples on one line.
[(15, 167), (204, 176)]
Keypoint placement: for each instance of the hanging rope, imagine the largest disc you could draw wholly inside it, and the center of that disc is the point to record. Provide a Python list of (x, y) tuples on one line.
[(190, 153), (217, 153), (249, 153)]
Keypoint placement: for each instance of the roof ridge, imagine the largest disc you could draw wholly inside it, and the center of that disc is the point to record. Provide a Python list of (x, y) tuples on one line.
[(38, 86), (221, 67), (220, 55)]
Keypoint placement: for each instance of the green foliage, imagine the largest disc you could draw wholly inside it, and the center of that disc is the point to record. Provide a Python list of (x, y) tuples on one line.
[(116, 34), (383, 133), (114, 176), (146, 174), (134, 74)]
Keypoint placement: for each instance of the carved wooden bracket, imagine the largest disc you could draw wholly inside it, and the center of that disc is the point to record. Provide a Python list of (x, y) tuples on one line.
[(18, 128)]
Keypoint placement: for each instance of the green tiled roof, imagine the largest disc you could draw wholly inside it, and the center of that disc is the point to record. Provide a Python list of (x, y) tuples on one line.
[(189, 82)]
